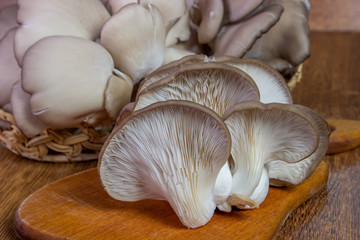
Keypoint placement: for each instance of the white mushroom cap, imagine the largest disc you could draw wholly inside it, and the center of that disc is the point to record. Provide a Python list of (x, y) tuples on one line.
[(167, 69), (42, 18), (138, 47), (263, 133), (172, 150), (8, 19), (272, 86), (116, 5), (175, 53), (9, 69), (68, 79), (214, 85), (29, 124)]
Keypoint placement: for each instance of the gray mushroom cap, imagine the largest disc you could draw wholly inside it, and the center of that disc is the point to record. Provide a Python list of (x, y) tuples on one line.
[(236, 39), (287, 44)]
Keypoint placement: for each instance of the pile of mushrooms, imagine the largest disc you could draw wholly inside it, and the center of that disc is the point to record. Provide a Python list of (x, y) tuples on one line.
[(203, 116), (68, 62), (205, 133)]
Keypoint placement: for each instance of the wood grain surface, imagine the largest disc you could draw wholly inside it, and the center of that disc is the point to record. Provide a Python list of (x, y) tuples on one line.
[(77, 207)]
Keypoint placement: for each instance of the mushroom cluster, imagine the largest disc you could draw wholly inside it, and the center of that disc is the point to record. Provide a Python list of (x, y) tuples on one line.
[(207, 133), (67, 62)]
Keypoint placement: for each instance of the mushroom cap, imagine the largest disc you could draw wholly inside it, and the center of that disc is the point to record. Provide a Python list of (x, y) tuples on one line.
[(171, 150), (116, 5), (42, 18), (138, 48), (8, 19), (210, 16), (235, 10), (9, 69), (263, 133), (25, 120), (214, 85), (271, 84), (175, 53), (178, 30), (167, 69), (288, 41), (235, 40), (67, 78), (282, 173)]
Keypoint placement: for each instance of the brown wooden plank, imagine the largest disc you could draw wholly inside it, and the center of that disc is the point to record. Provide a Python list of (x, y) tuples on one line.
[(77, 207)]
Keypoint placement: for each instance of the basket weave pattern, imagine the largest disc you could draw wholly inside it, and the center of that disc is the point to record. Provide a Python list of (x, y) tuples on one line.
[(80, 143)]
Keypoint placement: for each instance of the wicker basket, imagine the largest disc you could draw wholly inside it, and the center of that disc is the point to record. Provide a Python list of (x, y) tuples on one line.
[(80, 143)]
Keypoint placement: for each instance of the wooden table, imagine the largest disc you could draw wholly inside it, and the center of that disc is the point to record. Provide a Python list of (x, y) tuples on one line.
[(330, 85)]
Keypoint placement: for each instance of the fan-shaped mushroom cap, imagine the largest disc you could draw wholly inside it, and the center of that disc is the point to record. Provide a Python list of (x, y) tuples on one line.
[(42, 18), (263, 133), (25, 120), (272, 86), (172, 150), (68, 79), (8, 19), (238, 38), (288, 41), (282, 173), (9, 69), (138, 48), (214, 85)]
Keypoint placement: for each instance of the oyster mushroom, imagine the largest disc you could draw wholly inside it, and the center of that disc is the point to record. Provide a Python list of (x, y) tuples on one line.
[(42, 18), (70, 79), (25, 120), (10, 71), (214, 85), (169, 151), (235, 10), (169, 68), (272, 86), (287, 44), (287, 135), (236, 39), (208, 16), (8, 19), (138, 48)]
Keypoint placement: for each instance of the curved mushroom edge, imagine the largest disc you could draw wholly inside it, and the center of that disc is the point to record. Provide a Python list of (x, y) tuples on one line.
[(264, 133), (179, 164), (272, 85), (208, 80), (283, 174)]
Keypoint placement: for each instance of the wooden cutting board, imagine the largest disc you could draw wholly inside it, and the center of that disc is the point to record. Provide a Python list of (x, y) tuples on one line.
[(77, 207), (345, 135)]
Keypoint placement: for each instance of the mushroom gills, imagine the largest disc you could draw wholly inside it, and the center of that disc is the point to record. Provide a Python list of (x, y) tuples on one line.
[(266, 133), (171, 150)]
